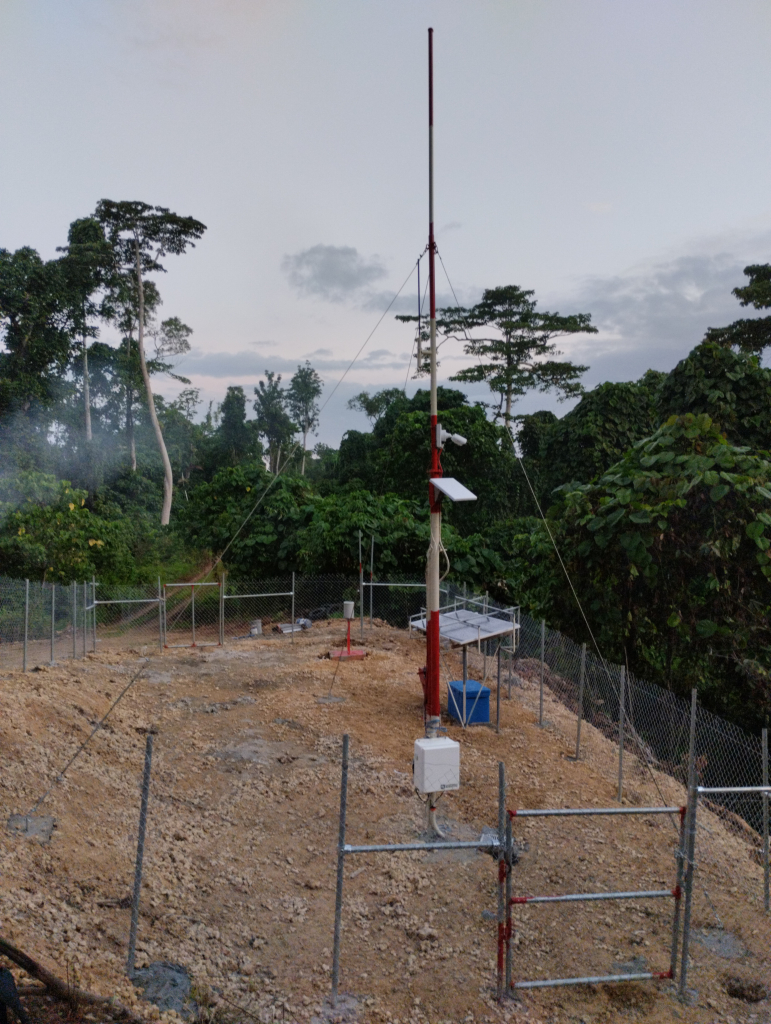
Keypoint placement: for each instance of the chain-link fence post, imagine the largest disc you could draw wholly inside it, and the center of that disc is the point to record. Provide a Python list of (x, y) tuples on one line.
[(361, 590), (74, 616), (362, 627), (222, 609), (581, 681), (543, 655), (85, 618), (93, 611), (26, 622), (53, 621), (140, 856), (765, 823), (371, 577), (690, 830), (621, 725)]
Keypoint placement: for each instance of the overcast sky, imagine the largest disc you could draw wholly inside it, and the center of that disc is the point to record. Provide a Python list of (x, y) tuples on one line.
[(613, 155)]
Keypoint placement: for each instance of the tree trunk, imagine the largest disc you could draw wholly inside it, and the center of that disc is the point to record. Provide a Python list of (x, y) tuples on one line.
[(130, 427), (86, 396), (305, 438), (130, 408), (168, 476)]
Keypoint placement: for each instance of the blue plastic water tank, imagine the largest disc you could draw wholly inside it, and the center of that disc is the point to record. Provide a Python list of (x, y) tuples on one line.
[(477, 698)]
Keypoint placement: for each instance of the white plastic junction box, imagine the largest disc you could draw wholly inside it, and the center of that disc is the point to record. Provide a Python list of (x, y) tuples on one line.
[(436, 765)]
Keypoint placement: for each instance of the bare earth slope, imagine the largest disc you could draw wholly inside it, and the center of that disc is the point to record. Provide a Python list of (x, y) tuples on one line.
[(240, 857)]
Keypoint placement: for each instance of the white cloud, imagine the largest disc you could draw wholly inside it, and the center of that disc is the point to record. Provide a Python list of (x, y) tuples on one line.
[(332, 272)]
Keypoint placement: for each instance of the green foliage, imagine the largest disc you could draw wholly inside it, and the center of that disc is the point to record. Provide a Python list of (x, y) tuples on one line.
[(669, 551), (302, 402), (272, 421), (751, 336), (36, 323), (296, 528), (732, 388), (592, 436), (46, 532), (394, 456), (519, 356)]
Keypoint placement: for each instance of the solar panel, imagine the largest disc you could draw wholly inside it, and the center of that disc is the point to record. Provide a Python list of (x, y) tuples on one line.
[(466, 627), (453, 489)]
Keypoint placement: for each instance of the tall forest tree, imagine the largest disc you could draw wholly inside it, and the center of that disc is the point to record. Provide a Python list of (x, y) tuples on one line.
[(36, 330), (85, 264), (302, 401), (272, 420), (140, 236), (514, 351)]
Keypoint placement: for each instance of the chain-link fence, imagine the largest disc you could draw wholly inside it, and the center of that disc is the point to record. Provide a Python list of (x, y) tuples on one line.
[(41, 623)]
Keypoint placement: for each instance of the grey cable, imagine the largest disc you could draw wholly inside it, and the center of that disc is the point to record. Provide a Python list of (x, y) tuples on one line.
[(86, 742)]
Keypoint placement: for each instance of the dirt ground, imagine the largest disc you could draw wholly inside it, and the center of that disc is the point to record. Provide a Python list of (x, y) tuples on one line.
[(240, 859)]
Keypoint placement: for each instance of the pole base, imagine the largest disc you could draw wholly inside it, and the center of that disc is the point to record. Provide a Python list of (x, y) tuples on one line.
[(433, 725), (342, 654)]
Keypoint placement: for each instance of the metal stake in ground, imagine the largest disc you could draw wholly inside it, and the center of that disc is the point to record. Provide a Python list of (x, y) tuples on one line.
[(765, 822), (509, 866), (690, 847), (501, 875), (621, 726), (140, 856), (340, 868)]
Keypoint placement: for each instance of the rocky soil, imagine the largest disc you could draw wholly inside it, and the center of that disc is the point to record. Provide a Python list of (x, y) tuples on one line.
[(240, 856)]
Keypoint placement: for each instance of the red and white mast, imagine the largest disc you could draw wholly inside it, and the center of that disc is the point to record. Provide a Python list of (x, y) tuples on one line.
[(433, 710)]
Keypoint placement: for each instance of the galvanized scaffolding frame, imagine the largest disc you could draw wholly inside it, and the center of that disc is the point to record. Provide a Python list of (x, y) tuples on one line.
[(675, 894), (492, 844)]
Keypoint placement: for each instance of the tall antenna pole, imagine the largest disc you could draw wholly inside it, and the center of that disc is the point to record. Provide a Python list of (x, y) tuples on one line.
[(433, 710)]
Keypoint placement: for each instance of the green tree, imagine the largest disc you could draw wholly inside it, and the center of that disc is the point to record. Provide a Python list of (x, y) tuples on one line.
[(36, 329), (597, 432), (272, 421), (731, 387), (140, 235), (47, 532), (751, 336), (669, 551), (235, 439), (519, 356), (85, 265), (373, 406), (302, 401)]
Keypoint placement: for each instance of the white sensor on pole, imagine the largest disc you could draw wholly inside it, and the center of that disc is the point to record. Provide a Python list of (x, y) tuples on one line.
[(443, 436)]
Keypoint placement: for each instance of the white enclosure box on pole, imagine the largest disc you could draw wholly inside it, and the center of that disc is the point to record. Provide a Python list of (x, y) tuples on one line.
[(436, 765)]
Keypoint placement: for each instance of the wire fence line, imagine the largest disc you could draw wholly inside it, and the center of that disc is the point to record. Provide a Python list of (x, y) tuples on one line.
[(643, 728)]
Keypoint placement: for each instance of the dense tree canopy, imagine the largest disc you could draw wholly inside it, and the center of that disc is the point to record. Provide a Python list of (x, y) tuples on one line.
[(657, 491)]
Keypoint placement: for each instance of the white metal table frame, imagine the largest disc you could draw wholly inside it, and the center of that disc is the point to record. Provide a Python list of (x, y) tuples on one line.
[(463, 627)]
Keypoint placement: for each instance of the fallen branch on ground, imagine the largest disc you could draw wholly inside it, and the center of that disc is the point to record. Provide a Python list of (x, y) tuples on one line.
[(59, 988)]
